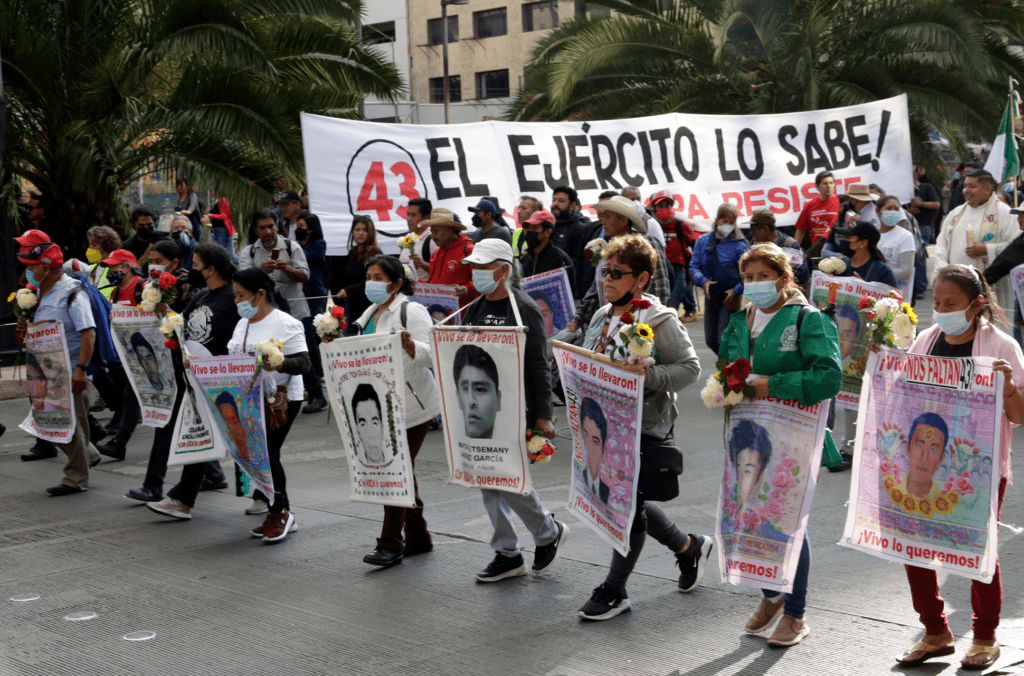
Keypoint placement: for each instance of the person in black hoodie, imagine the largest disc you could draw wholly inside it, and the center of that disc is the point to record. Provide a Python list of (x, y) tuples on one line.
[(143, 219), (310, 235), (572, 232)]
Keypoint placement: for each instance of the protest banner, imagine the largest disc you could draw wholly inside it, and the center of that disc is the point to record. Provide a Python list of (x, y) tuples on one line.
[(853, 331), (925, 484), (754, 161), (1017, 279), (366, 384), (480, 376), (773, 454), (147, 363), (795, 256), (553, 295), (48, 374), (234, 402), (440, 301), (604, 403), (195, 435)]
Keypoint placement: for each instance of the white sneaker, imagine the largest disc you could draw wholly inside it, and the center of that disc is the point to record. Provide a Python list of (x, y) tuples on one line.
[(171, 507), (257, 507)]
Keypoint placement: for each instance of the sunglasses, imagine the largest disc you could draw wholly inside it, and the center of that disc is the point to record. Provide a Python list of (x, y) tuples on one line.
[(617, 274)]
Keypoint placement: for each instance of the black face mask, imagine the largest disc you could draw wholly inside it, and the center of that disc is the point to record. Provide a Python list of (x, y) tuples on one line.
[(844, 248), (145, 233), (196, 279), (626, 297), (115, 278), (301, 234), (532, 239), (477, 221)]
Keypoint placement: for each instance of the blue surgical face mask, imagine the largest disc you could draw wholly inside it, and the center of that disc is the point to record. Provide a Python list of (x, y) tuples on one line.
[(246, 310), (484, 282), (952, 323), (892, 218), (377, 292), (31, 278), (762, 294)]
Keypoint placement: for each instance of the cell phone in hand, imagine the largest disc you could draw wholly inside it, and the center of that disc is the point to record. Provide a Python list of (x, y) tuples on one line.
[(275, 254)]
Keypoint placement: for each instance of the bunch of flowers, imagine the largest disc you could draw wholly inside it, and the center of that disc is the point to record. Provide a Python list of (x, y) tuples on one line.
[(832, 266), (167, 325), (890, 320), (331, 322), (409, 242), (940, 501), (538, 449), (594, 250), (637, 337), (270, 353), (161, 288), (728, 386), (25, 302)]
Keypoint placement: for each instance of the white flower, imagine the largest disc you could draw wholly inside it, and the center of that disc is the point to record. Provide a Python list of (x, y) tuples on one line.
[(902, 330), (832, 266), (326, 324), (535, 443), (639, 348), (885, 307), (169, 322), (147, 306), (543, 459), (271, 350), (151, 293), (26, 299), (734, 398), (596, 245), (711, 388)]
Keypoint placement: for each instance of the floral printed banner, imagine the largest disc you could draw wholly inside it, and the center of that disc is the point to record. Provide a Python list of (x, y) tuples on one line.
[(926, 477), (146, 360), (51, 415), (772, 459)]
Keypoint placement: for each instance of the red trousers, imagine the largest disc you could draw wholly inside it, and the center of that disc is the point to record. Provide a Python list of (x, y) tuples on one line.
[(986, 599), (395, 518)]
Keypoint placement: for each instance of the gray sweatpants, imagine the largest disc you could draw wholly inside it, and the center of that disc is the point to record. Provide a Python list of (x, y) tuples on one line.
[(539, 521)]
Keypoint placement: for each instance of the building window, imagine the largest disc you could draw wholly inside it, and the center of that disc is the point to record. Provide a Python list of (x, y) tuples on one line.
[(435, 31), (594, 11), (490, 23), (492, 84), (379, 33), (454, 89), (538, 16)]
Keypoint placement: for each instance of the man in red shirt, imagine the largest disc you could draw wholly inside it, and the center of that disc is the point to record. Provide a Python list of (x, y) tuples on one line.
[(820, 213), (446, 263), (679, 240)]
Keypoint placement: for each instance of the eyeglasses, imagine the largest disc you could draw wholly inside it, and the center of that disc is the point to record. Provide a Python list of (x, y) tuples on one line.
[(617, 274)]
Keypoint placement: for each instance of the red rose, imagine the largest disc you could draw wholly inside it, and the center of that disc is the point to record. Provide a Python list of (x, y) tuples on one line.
[(547, 450), (896, 294), (171, 344), (870, 316), (167, 280), (588, 254), (739, 369), (640, 303), (734, 384), (32, 288), (626, 318), (337, 311), (154, 273), (529, 434), (866, 302), (342, 325)]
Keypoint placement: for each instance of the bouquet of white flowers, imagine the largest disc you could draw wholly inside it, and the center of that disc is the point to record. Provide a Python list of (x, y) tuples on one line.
[(151, 297), (25, 301), (832, 266), (167, 325), (890, 320), (330, 323)]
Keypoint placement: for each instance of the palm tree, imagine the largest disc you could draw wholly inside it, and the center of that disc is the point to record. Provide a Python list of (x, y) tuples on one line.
[(951, 57), (101, 92)]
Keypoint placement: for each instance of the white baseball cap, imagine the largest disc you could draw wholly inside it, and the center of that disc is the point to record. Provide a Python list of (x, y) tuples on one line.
[(490, 250)]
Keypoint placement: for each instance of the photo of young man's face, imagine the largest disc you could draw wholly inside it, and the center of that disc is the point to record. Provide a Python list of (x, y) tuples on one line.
[(369, 428), (150, 366), (479, 401)]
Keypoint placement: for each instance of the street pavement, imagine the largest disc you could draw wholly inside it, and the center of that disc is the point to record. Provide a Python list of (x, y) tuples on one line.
[(221, 602)]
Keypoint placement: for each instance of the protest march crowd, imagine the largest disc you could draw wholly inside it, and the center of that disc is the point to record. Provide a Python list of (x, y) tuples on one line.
[(631, 277)]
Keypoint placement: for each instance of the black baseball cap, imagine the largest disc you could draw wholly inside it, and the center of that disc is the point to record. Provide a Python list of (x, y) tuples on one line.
[(863, 229), (290, 196)]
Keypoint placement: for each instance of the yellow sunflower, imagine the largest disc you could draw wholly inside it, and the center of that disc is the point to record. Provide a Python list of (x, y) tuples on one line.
[(644, 331), (909, 311), (10, 299)]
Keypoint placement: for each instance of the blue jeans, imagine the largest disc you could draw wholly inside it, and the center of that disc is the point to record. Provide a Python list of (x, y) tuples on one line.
[(219, 235), (716, 320), (796, 599), (682, 292), (921, 265)]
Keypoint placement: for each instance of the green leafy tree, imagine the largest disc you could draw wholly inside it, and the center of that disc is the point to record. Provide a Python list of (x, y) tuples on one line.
[(101, 92), (951, 57)]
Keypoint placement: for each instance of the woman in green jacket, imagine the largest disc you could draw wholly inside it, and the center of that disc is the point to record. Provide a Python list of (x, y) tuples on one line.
[(794, 354)]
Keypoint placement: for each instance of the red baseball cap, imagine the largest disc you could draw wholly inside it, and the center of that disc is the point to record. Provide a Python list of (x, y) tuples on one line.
[(31, 238), (120, 256), (663, 195), (47, 253), (541, 216)]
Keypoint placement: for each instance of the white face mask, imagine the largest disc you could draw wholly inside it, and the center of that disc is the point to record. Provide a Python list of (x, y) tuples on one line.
[(726, 228), (952, 323)]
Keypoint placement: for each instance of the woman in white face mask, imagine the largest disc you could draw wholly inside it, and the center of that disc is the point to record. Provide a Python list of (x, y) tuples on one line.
[(715, 266), (963, 309)]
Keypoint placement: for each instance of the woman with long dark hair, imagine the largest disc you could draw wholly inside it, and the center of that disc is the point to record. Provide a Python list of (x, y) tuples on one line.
[(351, 278)]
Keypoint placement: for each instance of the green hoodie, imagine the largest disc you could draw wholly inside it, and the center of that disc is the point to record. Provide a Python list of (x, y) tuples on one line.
[(805, 367)]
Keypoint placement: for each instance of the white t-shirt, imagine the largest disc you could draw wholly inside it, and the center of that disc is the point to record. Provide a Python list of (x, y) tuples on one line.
[(761, 319), (278, 325), (895, 243)]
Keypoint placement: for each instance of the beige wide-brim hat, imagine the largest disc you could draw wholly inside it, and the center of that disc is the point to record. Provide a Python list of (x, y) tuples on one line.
[(440, 216), (862, 192), (624, 207)]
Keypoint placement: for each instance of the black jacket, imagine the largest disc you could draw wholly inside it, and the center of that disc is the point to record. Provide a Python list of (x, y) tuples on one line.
[(550, 258), (572, 236)]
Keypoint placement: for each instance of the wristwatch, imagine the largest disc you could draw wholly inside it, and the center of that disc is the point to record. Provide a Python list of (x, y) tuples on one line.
[(84, 367)]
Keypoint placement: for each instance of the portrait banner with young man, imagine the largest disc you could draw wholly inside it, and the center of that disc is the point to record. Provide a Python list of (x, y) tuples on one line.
[(604, 403), (480, 375), (853, 331), (440, 301), (366, 385), (925, 485), (147, 362), (553, 296), (195, 436), (1017, 279), (773, 454), (48, 374), (233, 393)]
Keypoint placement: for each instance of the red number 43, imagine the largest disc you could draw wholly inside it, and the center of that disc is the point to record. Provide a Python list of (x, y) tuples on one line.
[(374, 194)]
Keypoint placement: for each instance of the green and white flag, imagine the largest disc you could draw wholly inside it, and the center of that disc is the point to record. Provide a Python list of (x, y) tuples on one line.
[(1003, 161)]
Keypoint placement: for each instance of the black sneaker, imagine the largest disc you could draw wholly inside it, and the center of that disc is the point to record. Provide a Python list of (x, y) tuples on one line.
[(546, 555), (604, 604), (691, 562), (502, 567), (315, 405)]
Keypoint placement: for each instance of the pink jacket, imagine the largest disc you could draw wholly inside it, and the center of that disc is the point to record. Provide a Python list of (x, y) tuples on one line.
[(988, 342)]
